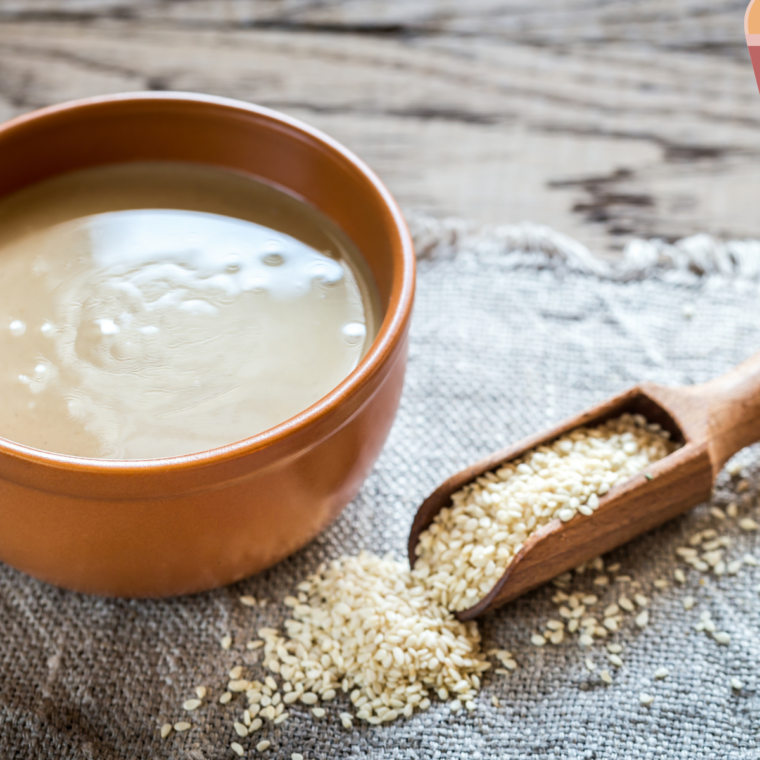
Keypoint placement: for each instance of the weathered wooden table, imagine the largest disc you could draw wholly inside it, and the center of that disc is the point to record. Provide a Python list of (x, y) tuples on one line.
[(605, 119)]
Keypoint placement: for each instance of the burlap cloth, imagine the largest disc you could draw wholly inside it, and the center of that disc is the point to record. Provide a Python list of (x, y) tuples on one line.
[(514, 329)]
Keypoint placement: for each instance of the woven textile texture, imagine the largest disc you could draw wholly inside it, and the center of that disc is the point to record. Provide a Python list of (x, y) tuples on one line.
[(514, 329)]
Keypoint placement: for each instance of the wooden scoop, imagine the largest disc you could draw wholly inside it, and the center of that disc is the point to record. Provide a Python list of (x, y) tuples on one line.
[(711, 421)]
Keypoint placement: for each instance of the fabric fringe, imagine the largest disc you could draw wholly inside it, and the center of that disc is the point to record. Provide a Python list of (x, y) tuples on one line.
[(687, 261)]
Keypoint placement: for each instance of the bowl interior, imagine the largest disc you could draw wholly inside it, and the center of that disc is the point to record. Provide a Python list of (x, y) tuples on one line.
[(200, 129)]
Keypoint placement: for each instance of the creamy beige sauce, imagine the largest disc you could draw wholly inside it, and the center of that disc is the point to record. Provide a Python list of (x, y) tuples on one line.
[(158, 309)]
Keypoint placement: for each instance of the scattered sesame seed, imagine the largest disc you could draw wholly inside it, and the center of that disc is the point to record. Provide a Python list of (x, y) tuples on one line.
[(264, 745), (615, 660), (661, 673), (641, 600), (318, 712), (679, 575), (748, 524), (732, 510), (660, 583), (182, 726), (646, 699), (226, 641), (166, 729), (191, 704), (248, 601), (495, 701), (732, 568), (226, 697), (200, 691), (347, 721), (237, 749), (737, 683), (605, 676), (240, 729), (722, 637), (590, 664), (236, 672), (749, 559), (537, 640), (642, 619), (717, 513), (614, 648), (688, 602), (296, 756), (742, 486)]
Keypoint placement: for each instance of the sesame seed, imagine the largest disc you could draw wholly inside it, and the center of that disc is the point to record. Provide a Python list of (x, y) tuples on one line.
[(661, 673), (614, 648), (615, 660), (495, 701), (722, 638), (732, 510), (642, 619), (281, 718), (641, 600), (590, 664), (318, 712), (191, 704), (182, 726), (226, 641), (200, 691), (605, 676), (660, 583), (166, 729), (626, 604), (264, 745), (717, 513), (254, 645), (347, 721), (646, 699), (240, 729), (537, 640), (748, 524), (679, 575), (688, 602), (248, 601), (225, 697), (737, 684), (237, 749), (236, 672), (296, 756)]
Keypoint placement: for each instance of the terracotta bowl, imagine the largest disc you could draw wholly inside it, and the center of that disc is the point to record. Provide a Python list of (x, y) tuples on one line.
[(162, 527)]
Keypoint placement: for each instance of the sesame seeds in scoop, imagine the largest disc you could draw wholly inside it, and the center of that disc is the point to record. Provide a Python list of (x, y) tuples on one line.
[(469, 544)]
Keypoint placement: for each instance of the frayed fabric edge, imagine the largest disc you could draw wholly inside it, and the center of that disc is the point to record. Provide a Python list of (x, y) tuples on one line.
[(527, 245)]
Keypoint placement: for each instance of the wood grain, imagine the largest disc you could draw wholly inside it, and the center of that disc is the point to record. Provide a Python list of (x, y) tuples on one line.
[(605, 120)]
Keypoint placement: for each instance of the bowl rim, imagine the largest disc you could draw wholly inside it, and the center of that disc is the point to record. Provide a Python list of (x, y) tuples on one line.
[(392, 329)]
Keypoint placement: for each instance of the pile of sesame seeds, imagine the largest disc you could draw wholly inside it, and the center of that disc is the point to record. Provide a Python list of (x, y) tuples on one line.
[(466, 549), (359, 630)]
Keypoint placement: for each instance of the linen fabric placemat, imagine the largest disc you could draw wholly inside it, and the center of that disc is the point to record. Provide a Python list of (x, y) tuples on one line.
[(514, 329)]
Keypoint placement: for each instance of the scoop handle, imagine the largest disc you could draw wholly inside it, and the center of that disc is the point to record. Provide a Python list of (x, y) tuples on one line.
[(724, 413)]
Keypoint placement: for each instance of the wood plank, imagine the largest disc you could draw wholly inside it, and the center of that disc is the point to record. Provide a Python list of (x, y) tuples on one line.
[(591, 117)]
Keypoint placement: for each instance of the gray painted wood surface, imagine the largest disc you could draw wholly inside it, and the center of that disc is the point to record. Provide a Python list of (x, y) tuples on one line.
[(605, 119)]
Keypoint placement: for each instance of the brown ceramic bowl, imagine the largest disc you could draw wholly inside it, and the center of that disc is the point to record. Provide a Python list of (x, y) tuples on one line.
[(172, 526)]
